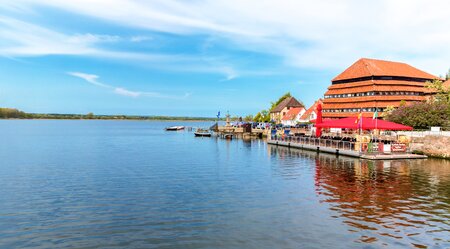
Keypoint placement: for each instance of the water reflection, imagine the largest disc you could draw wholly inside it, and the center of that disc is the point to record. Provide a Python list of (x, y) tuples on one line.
[(401, 203)]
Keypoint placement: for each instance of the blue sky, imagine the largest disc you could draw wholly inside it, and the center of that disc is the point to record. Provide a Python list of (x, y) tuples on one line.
[(193, 58)]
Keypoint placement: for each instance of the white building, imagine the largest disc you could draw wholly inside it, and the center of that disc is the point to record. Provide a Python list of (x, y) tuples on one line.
[(292, 117), (311, 113)]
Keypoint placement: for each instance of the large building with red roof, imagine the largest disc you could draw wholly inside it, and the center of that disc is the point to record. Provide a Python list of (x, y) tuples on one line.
[(370, 85)]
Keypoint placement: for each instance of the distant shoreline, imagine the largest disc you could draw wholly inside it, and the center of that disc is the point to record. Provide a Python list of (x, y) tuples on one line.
[(105, 119), (10, 113), (149, 120)]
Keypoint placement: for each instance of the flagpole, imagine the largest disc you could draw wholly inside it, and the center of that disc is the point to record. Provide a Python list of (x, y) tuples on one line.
[(375, 116), (361, 122), (360, 128)]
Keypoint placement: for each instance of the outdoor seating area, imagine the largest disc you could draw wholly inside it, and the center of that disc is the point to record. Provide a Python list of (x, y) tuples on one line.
[(354, 136), (363, 144)]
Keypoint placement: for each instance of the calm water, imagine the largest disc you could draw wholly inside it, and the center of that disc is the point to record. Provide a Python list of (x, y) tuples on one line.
[(125, 184)]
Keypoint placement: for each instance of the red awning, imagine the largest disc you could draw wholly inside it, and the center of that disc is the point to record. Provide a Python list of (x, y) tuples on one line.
[(323, 120), (365, 124)]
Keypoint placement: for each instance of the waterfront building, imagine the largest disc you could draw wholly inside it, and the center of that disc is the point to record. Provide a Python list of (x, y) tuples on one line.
[(283, 107), (292, 117), (311, 113), (369, 85)]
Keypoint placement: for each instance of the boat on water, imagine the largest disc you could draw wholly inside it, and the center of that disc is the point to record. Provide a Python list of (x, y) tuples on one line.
[(174, 128), (228, 136), (202, 133)]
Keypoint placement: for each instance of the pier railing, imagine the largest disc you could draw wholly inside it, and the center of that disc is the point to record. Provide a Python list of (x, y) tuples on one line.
[(336, 144), (362, 147)]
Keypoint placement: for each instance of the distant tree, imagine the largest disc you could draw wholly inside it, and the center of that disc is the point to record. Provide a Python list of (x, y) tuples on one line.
[(421, 115), (442, 93), (248, 118), (90, 115), (265, 114), (388, 111), (262, 116), (447, 75), (257, 117), (11, 113), (274, 104)]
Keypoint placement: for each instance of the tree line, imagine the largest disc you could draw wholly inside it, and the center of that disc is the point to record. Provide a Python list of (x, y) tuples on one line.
[(11, 113)]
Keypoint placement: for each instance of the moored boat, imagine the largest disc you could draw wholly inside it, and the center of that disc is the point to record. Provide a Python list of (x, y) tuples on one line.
[(175, 128), (228, 136), (202, 133)]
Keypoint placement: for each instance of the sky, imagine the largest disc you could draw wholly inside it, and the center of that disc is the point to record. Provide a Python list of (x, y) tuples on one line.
[(196, 57)]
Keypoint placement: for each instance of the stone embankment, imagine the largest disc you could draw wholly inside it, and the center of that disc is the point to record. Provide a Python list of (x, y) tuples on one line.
[(432, 145)]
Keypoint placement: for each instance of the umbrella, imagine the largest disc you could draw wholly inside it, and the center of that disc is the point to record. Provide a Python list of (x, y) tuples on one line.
[(319, 120)]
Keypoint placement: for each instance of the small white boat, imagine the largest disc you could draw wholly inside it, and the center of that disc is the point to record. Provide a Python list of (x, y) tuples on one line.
[(175, 128), (202, 133)]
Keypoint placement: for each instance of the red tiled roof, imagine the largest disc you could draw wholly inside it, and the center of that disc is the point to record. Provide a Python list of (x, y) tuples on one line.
[(370, 67), (292, 113), (287, 102), (308, 112)]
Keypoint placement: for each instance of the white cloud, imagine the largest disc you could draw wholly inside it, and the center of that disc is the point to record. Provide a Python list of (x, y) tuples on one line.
[(319, 34), (140, 38), (23, 39), (93, 79), (125, 92), (93, 38)]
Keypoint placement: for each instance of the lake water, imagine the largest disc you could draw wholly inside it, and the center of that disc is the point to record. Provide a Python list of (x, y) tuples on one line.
[(130, 184)]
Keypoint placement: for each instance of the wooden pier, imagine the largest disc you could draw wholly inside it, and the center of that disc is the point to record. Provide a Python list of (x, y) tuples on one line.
[(241, 132), (345, 149)]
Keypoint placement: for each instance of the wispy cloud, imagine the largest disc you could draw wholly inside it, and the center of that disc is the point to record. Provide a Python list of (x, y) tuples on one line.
[(93, 79), (304, 34), (140, 38), (24, 39), (318, 34), (93, 38)]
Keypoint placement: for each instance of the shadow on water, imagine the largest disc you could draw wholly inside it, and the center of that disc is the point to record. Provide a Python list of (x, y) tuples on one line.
[(402, 203)]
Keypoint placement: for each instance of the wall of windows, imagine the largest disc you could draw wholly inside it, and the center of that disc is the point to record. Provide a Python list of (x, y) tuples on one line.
[(391, 93), (368, 109)]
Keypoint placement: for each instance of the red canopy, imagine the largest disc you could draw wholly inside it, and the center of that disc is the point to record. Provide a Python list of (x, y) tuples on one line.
[(367, 124), (323, 120)]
